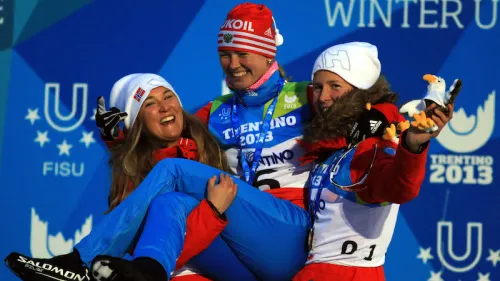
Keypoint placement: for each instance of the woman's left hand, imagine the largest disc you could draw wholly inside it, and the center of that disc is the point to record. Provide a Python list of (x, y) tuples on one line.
[(221, 195), (416, 137)]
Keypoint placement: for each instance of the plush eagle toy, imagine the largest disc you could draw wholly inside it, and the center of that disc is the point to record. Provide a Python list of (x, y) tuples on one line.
[(436, 93)]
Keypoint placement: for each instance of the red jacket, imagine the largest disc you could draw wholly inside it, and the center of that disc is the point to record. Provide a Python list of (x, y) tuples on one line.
[(392, 178)]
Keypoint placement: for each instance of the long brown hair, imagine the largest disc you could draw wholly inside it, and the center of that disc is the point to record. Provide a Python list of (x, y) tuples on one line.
[(132, 160)]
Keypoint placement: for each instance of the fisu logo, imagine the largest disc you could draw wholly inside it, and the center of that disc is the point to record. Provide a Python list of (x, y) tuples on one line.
[(470, 242), (43, 245), (225, 114), (66, 122), (290, 102)]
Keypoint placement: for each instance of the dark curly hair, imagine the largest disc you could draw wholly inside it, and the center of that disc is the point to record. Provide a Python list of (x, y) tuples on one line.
[(337, 121)]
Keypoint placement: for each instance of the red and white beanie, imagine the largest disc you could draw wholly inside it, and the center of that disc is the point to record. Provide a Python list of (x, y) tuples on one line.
[(130, 92), (249, 28)]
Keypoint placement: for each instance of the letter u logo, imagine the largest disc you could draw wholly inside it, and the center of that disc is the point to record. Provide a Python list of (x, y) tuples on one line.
[(441, 246), (60, 122), (226, 112)]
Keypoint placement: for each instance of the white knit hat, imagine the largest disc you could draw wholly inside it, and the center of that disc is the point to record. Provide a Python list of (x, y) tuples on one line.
[(129, 93), (356, 62)]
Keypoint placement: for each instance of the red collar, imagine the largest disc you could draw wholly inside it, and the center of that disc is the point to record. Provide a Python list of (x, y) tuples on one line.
[(315, 149), (185, 148)]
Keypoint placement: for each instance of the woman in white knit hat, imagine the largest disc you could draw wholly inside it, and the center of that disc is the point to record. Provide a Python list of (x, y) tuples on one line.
[(362, 171), (155, 127)]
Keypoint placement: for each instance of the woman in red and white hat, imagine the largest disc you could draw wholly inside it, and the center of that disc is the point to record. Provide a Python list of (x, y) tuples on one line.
[(260, 97)]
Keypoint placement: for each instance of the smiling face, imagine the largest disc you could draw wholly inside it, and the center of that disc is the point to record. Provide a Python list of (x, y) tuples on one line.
[(161, 113), (328, 86), (243, 69)]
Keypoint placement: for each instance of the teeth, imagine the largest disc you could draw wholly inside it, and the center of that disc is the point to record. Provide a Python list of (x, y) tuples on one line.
[(239, 74), (166, 119)]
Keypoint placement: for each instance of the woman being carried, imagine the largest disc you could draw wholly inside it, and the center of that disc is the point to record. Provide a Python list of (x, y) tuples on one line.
[(156, 127)]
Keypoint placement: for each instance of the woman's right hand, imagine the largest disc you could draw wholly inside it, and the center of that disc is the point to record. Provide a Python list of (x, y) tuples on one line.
[(221, 195), (416, 137), (107, 120)]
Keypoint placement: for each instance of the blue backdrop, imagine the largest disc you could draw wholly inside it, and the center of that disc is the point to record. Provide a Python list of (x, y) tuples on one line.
[(58, 56)]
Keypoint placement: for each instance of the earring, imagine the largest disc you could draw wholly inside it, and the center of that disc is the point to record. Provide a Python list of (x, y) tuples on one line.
[(269, 61)]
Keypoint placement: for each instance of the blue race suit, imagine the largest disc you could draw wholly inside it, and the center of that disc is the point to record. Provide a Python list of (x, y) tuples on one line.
[(267, 234)]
